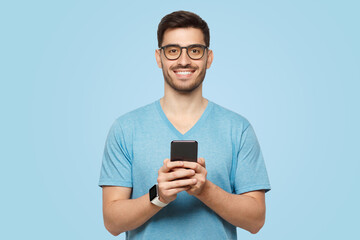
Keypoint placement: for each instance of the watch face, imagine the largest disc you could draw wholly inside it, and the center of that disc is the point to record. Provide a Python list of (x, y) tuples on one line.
[(153, 192)]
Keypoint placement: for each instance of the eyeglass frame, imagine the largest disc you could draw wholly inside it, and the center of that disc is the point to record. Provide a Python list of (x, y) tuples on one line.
[(187, 50)]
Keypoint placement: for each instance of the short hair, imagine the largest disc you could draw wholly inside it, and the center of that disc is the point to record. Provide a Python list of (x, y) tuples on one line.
[(182, 19)]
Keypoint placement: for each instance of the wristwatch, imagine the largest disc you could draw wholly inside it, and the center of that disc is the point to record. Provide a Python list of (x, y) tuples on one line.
[(154, 196)]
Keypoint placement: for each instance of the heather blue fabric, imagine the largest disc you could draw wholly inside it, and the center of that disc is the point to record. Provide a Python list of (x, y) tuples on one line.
[(138, 143)]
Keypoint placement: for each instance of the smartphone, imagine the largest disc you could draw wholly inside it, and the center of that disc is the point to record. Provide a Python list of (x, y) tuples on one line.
[(184, 150)]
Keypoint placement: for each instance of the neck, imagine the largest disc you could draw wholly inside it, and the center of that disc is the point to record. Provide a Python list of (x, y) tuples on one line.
[(181, 104)]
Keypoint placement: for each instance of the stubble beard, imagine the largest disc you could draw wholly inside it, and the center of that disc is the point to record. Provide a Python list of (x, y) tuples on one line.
[(188, 88)]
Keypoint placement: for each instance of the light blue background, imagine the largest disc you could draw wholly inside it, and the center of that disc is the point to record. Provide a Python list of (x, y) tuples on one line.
[(69, 68)]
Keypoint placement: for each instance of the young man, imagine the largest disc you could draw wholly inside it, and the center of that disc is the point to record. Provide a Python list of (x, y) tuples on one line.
[(225, 189)]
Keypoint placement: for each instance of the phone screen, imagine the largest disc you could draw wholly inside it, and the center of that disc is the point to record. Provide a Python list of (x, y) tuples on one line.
[(184, 150)]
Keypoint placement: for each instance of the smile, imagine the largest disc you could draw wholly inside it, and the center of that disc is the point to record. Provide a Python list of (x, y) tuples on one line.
[(184, 73)]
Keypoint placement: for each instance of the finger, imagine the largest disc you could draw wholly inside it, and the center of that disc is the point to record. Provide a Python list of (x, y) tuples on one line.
[(194, 165), (177, 190), (168, 165), (190, 165), (179, 184), (177, 169), (201, 161), (164, 166), (184, 173)]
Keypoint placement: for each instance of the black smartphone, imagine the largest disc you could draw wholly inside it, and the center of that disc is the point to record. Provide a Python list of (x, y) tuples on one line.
[(184, 150)]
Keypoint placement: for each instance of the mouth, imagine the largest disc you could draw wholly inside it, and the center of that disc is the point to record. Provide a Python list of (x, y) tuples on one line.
[(184, 73)]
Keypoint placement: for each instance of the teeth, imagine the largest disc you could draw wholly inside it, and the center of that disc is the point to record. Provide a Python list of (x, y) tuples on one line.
[(183, 73)]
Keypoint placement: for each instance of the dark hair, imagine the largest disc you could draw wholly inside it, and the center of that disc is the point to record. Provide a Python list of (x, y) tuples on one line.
[(182, 19)]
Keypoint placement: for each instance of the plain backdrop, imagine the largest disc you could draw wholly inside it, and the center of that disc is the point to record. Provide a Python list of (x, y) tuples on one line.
[(68, 69)]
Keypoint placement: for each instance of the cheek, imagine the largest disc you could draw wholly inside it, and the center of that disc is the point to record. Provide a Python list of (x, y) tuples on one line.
[(166, 67)]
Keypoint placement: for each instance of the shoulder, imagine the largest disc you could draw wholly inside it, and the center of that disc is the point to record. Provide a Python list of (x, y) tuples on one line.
[(136, 115), (229, 117), (127, 122)]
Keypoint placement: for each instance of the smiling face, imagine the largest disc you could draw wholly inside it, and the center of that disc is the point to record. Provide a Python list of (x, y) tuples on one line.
[(183, 74)]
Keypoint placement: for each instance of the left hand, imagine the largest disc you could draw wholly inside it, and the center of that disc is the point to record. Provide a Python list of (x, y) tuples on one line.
[(200, 176)]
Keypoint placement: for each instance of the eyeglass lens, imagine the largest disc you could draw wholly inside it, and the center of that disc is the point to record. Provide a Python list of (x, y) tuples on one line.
[(194, 52)]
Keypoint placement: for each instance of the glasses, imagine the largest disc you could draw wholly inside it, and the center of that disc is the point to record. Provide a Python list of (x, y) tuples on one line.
[(173, 52)]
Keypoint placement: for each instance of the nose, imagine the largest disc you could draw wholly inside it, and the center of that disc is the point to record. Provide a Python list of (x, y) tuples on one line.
[(184, 59)]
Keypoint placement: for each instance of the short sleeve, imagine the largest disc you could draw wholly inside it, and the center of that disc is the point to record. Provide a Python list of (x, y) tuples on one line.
[(251, 174), (116, 162)]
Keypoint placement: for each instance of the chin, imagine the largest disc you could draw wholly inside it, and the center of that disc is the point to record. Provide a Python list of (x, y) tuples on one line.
[(184, 88)]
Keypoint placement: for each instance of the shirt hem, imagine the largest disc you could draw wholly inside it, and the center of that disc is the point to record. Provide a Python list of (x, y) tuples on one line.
[(253, 188), (113, 183)]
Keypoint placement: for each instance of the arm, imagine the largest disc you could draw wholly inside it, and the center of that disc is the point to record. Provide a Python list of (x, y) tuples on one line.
[(123, 214), (246, 210)]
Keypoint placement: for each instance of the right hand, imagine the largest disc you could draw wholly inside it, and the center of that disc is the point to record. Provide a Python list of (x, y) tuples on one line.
[(172, 182)]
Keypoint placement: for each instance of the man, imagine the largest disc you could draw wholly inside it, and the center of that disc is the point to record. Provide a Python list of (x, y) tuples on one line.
[(225, 189)]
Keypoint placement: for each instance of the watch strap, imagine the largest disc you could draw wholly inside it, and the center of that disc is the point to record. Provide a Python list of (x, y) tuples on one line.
[(158, 203)]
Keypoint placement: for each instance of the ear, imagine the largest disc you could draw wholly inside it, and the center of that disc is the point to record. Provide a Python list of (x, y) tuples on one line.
[(210, 57), (158, 57)]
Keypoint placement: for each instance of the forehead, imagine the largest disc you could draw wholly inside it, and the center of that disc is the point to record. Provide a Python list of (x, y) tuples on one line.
[(183, 36)]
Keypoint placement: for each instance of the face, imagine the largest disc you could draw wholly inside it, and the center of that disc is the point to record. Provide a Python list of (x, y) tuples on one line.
[(183, 74)]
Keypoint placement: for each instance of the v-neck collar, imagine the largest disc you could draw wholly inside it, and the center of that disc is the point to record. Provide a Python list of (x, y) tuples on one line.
[(192, 129)]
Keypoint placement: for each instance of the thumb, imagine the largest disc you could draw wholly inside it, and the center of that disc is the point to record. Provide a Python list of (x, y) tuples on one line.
[(201, 161)]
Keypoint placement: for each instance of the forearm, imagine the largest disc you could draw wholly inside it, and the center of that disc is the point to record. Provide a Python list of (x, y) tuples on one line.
[(240, 210), (127, 214)]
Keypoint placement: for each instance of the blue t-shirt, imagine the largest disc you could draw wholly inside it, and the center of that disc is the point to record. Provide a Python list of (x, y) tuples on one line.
[(138, 143)]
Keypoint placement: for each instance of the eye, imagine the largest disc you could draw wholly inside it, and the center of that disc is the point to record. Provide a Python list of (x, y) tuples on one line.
[(172, 50), (195, 50)]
